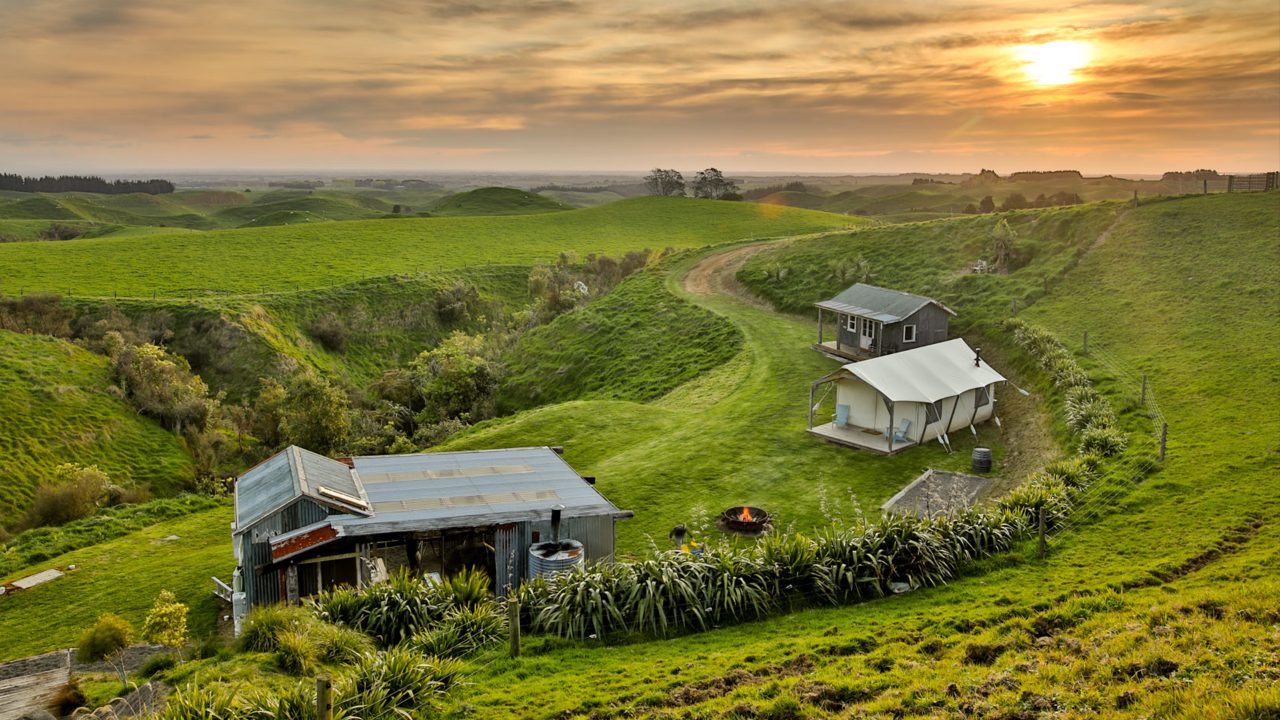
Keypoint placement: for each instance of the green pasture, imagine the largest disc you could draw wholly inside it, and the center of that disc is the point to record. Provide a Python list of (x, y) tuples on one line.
[(318, 255), (57, 406)]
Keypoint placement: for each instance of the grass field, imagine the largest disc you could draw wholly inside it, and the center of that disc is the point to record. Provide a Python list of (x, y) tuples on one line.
[(495, 201), (56, 406), (309, 256)]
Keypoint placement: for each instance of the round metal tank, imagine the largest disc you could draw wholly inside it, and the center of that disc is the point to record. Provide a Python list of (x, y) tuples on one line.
[(552, 557), (981, 460)]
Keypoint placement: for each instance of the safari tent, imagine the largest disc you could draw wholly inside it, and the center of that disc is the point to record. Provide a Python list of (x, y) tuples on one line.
[(890, 403)]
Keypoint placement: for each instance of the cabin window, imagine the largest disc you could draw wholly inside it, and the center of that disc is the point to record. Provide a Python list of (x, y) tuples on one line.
[(853, 323), (908, 333), (868, 327), (980, 397)]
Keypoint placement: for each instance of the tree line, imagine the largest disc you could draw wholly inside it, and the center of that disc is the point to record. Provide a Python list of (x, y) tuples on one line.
[(709, 183), (82, 183)]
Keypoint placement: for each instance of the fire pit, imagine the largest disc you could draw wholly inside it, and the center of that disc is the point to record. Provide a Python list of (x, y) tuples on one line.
[(745, 519)]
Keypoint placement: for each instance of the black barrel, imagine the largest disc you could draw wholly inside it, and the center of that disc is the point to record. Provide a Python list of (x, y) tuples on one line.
[(981, 460)]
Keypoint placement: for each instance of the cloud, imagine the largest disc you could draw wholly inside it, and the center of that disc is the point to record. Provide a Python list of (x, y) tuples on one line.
[(1136, 96)]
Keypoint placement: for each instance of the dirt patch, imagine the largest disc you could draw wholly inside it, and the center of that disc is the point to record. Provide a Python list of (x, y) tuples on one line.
[(712, 688), (718, 275)]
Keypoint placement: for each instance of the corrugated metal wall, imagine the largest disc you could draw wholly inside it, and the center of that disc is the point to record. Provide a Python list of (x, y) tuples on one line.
[(264, 588)]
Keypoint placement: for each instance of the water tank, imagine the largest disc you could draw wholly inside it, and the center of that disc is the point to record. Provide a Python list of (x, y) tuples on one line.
[(552, 557)]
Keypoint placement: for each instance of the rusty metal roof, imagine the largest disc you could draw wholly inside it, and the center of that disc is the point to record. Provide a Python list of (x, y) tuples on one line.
[(423, 491)]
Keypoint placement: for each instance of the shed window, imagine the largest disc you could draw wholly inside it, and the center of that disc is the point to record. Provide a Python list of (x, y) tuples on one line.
[(853, 323), (980, 397), (908, 333)]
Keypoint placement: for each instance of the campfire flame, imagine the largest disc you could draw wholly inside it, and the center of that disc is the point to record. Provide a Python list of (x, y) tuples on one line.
[(746, 515)]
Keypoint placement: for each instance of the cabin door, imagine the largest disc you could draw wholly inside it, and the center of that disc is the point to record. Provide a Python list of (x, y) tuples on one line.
[(867, 337)]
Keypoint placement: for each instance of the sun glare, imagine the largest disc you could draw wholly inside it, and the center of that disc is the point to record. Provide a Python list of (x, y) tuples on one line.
[(1054, 63)]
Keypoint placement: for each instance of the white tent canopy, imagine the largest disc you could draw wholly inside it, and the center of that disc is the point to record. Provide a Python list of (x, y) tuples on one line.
[(894, 401), (926, 374)]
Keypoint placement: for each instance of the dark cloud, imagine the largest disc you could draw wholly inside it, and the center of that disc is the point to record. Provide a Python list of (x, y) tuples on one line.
[(1136, 96)]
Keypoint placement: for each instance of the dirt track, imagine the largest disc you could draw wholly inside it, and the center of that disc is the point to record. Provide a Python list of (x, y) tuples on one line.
[(717, 275)]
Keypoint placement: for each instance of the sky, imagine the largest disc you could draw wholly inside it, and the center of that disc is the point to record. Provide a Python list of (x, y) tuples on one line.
[(120, 86)]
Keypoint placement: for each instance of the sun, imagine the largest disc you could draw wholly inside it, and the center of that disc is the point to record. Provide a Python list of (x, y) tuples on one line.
[(1054, 63)]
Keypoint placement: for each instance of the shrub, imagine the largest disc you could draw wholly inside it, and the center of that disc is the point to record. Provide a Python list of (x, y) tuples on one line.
[(329, 331), (106, 640), (295, 651), (1104, 441), (467, 588), (166, 624), (157, 664), (161, 384), (390, 612), (397, 679), (263, 626), (463, 630), (338, 644), (74, 493)]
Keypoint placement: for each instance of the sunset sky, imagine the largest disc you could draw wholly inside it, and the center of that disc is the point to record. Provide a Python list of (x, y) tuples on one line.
[(799, 85)]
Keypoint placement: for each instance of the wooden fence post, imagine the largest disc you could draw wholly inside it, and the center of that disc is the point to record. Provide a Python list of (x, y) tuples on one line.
[(1164, 439), (1043, 545), (324, 697), (513, 620), (1206, 186), (1143, 400)]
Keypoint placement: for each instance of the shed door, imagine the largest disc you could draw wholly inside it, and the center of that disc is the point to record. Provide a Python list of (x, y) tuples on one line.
[(507, 557), (868, 334)]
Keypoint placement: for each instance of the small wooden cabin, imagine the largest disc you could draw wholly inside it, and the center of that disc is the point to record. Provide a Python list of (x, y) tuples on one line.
[(306, 523), (872, 321)]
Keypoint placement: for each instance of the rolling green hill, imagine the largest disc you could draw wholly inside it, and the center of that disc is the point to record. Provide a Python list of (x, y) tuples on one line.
[(57, 406), (1159, 600), (495, 201), (311, 255)]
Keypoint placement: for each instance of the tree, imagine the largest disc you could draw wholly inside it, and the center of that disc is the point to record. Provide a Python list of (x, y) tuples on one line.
[(162, 385), (75, 492), (315, 415), (455, 380), (970, 209), (166, 624), (665, 182), (1002, 245), (1015, 201), (987, 205), (711, 183), (106, 641)]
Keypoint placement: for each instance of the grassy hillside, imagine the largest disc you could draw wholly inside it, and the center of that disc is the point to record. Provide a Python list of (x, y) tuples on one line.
[(637, 343), (308, 256), (495, 201), (57, 406)]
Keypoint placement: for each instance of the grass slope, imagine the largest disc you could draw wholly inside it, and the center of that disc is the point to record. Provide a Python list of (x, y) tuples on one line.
[(1166, 607), (637, 343), (733, 436), (57, 407), (307, 256), (495, 201), (123, 576)]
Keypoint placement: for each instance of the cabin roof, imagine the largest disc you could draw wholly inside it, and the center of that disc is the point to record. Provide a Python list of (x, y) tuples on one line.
[(880, 304), (925, 374), (428, 491), (295, 473)]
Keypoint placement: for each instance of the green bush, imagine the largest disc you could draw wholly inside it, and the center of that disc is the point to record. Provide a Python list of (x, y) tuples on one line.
[(467, 588), (264, 625), (157, 664), (295, 651), (464, 630), (1104, 441), (338, 644), (397, 679)]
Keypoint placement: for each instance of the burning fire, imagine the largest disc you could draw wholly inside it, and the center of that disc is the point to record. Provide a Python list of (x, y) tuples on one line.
[(746, 515)]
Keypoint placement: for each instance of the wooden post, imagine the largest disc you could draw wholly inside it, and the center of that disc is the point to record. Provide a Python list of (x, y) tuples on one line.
[(1143, 400), (513, 621), (1086, 342), (1043, 545), (1231, 183), (1206, 186), (324, 697), (1164, 439), (1046, 285), (1135, 198), (820, 333)]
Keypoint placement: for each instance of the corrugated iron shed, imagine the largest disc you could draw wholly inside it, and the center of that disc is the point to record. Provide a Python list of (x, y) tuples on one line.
[(880, 304)]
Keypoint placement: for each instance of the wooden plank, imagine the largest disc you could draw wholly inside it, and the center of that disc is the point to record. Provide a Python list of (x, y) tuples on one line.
[(37, 691)]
